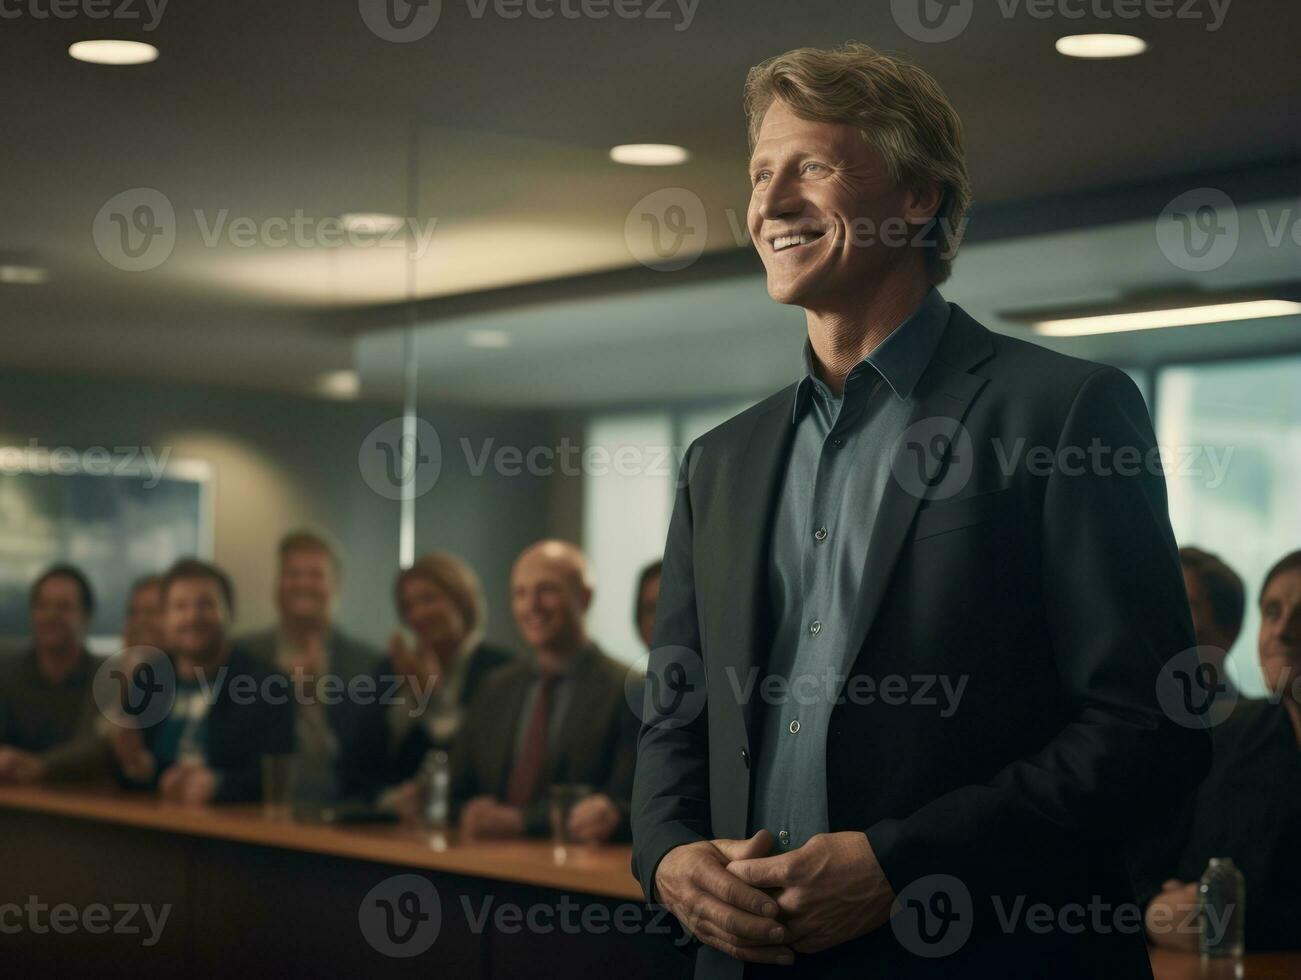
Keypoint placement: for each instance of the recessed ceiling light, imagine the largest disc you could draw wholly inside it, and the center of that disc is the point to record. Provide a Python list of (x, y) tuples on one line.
[(1100, 45), (114, 52), (649, 154), (488, 338), (1179, 317), (371, 222), (23, 275), (339, 384)]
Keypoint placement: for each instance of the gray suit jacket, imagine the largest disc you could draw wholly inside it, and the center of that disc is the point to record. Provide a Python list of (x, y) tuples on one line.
[(596, 745)]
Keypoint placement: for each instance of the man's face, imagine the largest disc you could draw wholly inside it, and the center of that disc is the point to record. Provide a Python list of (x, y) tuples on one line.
[(431, 614), (548, 601), (144, 618), (307, 585), (195, 619), (825, 214), (646, 602), (1280, 634), (58, 619)]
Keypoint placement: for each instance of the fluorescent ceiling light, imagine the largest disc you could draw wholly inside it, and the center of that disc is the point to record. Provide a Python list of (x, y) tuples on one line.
[(488, 338), (1179, 317), (114, 52), (23, 275), (1100, 45), (649, 154), (371, 222), (342, 385)]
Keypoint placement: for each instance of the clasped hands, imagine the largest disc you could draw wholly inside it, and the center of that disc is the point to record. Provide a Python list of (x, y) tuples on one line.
[(738, 897)]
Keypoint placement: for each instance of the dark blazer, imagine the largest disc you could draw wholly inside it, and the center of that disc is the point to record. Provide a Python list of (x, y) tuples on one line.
[(1249, 809), (1057, 597), (367, 762), (240, 730), (596, 744), (349, 658)]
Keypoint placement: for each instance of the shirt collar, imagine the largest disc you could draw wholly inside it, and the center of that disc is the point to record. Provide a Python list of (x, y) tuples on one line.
[(900, 359)]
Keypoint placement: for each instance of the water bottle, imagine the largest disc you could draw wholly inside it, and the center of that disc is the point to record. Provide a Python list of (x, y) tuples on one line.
[(436, 777), (1221, 895)]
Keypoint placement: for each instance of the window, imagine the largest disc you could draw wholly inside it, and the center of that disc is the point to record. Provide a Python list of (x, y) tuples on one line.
[(1231, 438)]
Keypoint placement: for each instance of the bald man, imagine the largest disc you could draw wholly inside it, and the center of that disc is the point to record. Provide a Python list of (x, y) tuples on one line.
[(556, 718)]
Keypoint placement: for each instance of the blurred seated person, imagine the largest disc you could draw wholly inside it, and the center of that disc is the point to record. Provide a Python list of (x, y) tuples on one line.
[(320, 659), (1249, 806), (1217, 599), (559, 716), (440, 600), (47, 704), (648, 597), (226, 710), (144, 614)]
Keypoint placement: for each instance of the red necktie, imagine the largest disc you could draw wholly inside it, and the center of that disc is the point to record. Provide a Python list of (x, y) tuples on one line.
[(528, 767)]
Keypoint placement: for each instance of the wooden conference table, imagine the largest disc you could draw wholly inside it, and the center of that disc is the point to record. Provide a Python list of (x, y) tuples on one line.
[(247, 894), (92, 871)]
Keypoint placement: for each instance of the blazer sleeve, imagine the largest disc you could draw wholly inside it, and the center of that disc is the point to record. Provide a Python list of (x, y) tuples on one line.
[(1116, 613), (670, 797)]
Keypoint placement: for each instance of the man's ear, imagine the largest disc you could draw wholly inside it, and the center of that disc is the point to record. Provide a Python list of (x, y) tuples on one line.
[(923, 203)]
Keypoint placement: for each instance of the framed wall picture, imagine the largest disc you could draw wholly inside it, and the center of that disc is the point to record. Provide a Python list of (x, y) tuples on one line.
[(117, 514)]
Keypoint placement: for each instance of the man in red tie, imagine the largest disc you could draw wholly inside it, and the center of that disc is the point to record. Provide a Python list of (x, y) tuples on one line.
[(558, 718)]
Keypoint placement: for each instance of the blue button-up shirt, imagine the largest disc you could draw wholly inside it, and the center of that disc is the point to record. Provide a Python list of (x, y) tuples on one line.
[(835, 476)]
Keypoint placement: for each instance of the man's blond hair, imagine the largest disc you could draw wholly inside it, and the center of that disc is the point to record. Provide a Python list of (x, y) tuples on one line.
[(900, 110)]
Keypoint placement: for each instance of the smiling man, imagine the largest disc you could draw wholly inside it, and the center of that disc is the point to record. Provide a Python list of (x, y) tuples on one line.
[(868, 534), (223, 712), (558, 717)]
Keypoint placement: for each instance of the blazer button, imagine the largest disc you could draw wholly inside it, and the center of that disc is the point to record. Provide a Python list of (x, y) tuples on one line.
[(745, 757)]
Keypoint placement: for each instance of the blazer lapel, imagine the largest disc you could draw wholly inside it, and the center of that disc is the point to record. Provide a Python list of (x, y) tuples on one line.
[(940, 403), (744, 620)]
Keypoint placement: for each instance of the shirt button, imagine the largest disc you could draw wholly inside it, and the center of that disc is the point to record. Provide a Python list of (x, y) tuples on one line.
[(837, 442), (784, 836), (815, 627), (820, 534), (795, 726)]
